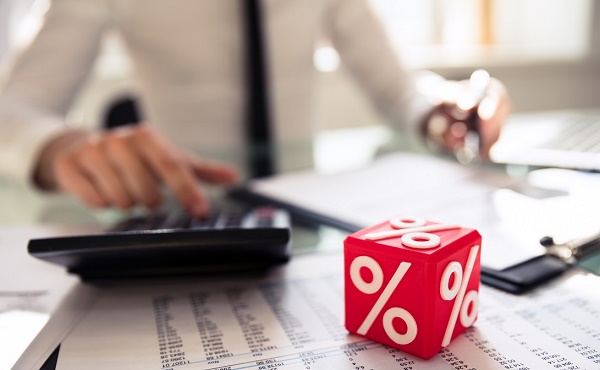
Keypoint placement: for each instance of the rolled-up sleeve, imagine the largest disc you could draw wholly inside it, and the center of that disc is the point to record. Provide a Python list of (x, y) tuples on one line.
[(44, 80)]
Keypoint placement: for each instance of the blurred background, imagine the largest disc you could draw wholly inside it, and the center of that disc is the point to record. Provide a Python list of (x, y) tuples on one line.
[(547, 52)]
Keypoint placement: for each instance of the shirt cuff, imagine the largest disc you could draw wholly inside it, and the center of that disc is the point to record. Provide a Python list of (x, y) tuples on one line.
[(22, 136)]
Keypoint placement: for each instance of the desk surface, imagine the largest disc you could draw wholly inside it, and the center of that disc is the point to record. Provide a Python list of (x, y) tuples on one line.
[(25, 208), (31, 289)]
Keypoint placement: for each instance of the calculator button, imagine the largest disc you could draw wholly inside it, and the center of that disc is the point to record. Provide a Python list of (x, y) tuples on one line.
[(176, 221), (207, 222)]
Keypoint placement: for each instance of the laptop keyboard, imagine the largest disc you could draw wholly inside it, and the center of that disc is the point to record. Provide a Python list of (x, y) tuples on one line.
[(579, 135)]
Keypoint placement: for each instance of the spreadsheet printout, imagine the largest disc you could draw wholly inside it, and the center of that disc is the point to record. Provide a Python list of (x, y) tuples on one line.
[(293, 319)]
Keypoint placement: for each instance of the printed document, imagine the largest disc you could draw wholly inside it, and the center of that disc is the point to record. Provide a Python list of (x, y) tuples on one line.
[(293, 319), (510, 214)]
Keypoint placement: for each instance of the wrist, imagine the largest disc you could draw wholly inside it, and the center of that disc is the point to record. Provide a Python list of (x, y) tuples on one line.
[(43, 176)]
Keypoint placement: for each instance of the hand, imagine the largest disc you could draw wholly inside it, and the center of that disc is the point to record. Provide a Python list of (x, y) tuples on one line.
[(127, 166), (449, 123)]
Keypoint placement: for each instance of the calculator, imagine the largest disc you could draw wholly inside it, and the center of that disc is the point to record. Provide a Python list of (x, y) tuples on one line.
[(175, 244)]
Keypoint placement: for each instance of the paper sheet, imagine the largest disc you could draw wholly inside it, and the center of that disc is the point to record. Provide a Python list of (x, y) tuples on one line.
[(412, 185), (30, 289), (293, 319), (20, 327), (27, 283)]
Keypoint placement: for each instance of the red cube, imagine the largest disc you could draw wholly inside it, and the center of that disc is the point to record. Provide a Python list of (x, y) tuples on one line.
[(412, 284)]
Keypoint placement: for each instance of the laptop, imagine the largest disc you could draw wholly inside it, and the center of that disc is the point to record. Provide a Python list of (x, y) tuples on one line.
[(565, 139)]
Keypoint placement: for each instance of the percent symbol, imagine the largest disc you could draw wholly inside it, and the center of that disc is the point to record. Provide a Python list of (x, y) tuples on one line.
[(413, 232), (373, 287), (457, 291)]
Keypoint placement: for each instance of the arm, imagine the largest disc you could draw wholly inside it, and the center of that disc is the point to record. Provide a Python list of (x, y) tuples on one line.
[(365, 51), (45, 79), (118, 168), (406, 98)]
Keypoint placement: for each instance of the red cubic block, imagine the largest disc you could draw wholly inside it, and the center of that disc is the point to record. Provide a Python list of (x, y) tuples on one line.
[(415, 292)]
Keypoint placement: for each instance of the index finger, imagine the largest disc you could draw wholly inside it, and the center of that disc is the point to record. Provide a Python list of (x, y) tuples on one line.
[(170, 168)]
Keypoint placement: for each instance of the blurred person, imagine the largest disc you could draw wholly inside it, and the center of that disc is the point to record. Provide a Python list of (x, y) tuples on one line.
[(189, 61)]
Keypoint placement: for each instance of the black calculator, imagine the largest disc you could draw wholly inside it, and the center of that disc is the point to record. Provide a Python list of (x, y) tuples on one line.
[(175, 244)]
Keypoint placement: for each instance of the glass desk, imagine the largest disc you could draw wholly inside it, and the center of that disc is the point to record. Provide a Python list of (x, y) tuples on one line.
[(26, 213)]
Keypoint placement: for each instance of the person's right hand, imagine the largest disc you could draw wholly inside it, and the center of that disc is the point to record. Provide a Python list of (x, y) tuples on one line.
[(127, 166)]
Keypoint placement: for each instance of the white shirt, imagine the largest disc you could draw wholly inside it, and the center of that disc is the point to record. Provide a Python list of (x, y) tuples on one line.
[(188, 58)]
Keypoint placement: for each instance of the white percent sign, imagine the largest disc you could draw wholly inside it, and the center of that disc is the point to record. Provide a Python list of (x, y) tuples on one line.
[(372, 287), (414, 234), (457, 291)]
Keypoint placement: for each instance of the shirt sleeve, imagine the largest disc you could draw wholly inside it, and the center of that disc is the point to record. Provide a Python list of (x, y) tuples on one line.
[(44, 80), (366, 52)]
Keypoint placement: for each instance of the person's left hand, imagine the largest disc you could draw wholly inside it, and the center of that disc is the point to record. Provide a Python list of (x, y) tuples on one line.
[(452, 123)]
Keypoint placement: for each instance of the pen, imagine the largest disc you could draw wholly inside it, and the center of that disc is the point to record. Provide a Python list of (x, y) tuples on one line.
[(469, 103), (574, 250)]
